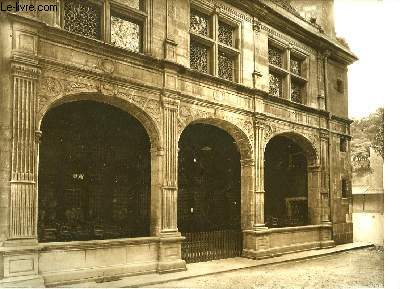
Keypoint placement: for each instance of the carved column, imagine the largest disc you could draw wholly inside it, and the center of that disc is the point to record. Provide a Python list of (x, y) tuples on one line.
[(23, 197), (170, 170), (259, 175), (247, 189), (325, 164), (170, 242)]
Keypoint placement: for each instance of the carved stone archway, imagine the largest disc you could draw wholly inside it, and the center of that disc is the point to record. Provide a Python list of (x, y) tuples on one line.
[(247, 165), (141, 115), (151, 124), (311, 153)]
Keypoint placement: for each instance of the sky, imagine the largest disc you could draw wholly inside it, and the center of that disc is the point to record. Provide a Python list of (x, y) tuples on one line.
[(365, 26)]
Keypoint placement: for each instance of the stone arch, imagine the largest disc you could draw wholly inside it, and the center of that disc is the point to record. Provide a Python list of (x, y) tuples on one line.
[(244, 144), (311, 152), (240, 137), (303, 141), (135, 111)]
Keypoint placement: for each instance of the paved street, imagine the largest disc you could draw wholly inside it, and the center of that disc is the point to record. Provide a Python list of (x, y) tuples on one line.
[(352, 269)]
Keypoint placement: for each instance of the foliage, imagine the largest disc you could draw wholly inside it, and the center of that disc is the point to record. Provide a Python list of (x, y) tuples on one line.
[(367, 133)]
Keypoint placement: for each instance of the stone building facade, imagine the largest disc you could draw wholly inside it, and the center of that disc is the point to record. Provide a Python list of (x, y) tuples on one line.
[(95, 83)]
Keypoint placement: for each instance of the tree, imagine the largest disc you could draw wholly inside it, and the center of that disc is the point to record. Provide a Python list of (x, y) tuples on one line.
[(367, 133)]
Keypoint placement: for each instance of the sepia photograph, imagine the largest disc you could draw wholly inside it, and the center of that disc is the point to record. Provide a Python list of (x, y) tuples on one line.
[(196, 143)]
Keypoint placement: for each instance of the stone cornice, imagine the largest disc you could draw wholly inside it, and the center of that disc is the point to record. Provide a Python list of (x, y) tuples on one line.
[(342, 119)]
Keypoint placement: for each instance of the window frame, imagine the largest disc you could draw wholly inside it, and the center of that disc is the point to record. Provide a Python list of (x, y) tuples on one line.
[(343, 144), (213, 43), (288, 77), (345, 188), (116, 8)]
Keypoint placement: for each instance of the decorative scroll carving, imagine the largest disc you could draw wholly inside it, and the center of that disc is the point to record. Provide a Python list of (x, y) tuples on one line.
[(268, 132), (256, 26), (51, 88), (106, 65), (239, 127)]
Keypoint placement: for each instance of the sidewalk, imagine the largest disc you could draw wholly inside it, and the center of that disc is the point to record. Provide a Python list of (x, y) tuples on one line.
[(218, 266)]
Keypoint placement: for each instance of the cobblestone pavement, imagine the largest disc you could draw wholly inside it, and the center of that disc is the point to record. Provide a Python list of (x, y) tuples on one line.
[(352, 269)]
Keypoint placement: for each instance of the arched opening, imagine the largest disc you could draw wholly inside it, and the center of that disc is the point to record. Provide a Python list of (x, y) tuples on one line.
[(209, 193), (94, 174), (285, 183)]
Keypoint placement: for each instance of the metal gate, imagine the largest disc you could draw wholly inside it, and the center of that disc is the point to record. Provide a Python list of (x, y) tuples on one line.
[(206, 246)]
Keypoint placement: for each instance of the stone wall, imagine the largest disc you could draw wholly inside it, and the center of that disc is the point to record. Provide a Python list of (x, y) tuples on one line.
[(43, 66)]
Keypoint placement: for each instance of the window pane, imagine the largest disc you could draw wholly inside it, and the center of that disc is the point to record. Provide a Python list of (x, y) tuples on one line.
[(225, 66), (225, 34), (198, 57), (275, 85), (199, 23), (296, 92), (275, 56), (125, 34), (295, 66), (82, 18)]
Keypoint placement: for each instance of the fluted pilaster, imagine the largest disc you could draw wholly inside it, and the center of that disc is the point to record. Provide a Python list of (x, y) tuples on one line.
[(170, 170), (324, 185), (23, 197), (259, 174)]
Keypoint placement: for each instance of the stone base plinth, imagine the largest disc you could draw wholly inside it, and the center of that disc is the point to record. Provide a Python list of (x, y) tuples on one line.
[(170, 259), (63, 263), (265, 243)]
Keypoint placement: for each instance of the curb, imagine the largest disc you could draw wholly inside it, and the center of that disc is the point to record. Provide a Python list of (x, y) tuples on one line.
[(339, 250)]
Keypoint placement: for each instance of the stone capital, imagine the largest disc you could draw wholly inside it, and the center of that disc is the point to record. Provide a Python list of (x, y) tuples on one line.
[(324, 134), (26, 71), (168, 102)]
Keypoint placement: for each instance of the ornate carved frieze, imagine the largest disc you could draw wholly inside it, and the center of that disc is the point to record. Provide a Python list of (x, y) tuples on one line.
[(232, 11), (237, 125), (276, 127), (289, 41), (53, 88)]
